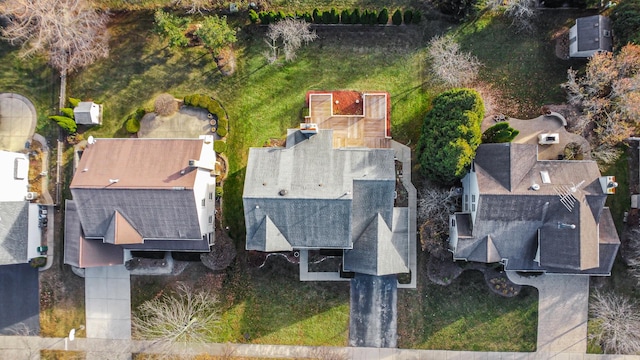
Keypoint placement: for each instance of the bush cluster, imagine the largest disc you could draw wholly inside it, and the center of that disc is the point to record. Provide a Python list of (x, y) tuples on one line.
[(132, 122), (66, 123), (331, 16), (219, 146), (211, 105)]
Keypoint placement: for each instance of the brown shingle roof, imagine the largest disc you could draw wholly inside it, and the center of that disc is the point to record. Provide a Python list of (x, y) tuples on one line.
[(137, 163)]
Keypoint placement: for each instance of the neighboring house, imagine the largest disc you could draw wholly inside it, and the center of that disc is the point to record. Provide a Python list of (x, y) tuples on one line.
[(140, 195), (590, 35), (19, 232), (535, 215), (88, 113), (329, 188)]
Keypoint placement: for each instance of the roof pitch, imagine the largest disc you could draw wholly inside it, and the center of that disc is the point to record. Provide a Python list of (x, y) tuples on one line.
[(14, 232), (590, 33)]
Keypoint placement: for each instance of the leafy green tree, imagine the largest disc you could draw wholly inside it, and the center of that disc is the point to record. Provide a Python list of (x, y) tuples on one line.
[(171, 27), (345, 17), (408, 17), (625, 20), (499, 133), (396, 19), (215, 33), (355, 16), (450, 135), (65, 123)]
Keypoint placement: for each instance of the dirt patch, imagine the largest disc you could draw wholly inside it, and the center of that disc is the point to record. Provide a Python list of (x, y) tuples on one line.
[(226, 62), (222, 253), (561, 39), (442, 271)]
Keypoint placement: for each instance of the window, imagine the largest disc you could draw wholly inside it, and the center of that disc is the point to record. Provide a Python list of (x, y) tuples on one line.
[(203, 202), (453, 222), (473, 207), (210, 196), (473, 199), (210, 219)]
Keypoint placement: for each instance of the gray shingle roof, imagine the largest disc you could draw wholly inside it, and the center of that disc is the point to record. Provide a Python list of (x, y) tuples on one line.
[(516, 218), (14, 232), (310, 195), (590, 31)]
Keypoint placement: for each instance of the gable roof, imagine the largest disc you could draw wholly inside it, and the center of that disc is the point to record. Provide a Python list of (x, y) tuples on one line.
[(310, 195), (590, 33), (559, 221)]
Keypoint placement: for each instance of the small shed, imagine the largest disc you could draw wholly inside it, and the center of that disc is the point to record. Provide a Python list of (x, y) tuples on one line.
[(88, 113), (590, 35)]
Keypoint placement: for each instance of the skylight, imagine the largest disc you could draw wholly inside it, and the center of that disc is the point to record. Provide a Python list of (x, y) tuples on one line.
[(545, 177)]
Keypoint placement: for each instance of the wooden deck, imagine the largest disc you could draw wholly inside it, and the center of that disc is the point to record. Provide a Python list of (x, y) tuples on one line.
[(368, 130)]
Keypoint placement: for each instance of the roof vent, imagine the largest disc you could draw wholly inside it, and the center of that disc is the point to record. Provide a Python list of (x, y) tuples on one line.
[(182, 172), (535, 187), (113, 181), (91, 140), (566, 226), (282, 192)]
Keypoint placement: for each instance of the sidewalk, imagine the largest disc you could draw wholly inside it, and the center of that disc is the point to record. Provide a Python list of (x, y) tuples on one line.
[(26, 347)]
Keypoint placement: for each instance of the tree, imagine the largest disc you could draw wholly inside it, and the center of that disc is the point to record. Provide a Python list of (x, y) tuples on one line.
[(216, 34), (171, 27), (292, 33), (499, 133), (458, 9), (608, 95), (383, 17), (65, 123), (449, 64), (396, 18), (184, 316), (195, 6), (617, 323), (165, 105), (69, 32), (625, 20), (408, 17), (522, 14), (450, 135)]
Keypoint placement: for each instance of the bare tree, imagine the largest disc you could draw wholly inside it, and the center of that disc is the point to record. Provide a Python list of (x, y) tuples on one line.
[(165, 105), (449, 64), (617, 321), (196, 6), (292, 33), (70, 32), (188, 316), (522, 14), (608, 95)]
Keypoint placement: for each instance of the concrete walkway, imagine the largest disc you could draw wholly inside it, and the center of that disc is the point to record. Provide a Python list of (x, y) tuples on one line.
[(27, 347), (563, 304), (18, 120), (108, 302)]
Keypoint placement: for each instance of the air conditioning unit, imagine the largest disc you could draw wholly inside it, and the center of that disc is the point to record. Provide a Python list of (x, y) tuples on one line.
[(31, 196)]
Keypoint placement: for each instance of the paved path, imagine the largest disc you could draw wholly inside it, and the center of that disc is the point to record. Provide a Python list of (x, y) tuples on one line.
[(107, 292), (22, 347), (563, 304), (18, 120)]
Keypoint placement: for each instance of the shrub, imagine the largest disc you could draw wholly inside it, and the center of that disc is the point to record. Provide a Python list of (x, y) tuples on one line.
[(450, 135), (326, 17), (219, 146), (165, 105), (66, 123), (307, 17), (335, 17), (408, 17), (499, 133), (38, 262), (74, 102), (345, 17), (372, 18), (317, 16), (383, 17), (140, 112), (364, 17), (280, 15), (132, 125), (355, 17), (253, 16), (219, 191), (68, 112), (396, 19), (417, 17), (222, 127), (625, 20), (171, 27)]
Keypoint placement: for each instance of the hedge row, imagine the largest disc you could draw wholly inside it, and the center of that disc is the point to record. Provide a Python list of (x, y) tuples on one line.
[(211, 105), (365, 17)]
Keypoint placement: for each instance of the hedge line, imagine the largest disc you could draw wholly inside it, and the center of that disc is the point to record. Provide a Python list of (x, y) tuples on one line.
[(365, 17)]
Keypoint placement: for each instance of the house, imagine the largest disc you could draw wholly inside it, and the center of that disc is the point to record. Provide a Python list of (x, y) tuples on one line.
[(590, 35), (332, 187), (88, 113), (19, 232), (140, 195), (535, 215)]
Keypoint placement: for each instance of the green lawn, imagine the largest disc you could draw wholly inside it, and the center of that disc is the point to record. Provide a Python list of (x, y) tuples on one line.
[(270, 305)]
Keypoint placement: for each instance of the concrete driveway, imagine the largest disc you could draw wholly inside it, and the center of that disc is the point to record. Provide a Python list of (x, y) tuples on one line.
[(107, 292), (563, 305), (18, 120)]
